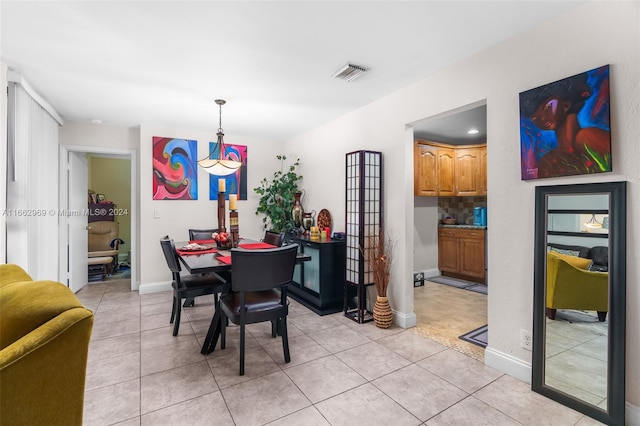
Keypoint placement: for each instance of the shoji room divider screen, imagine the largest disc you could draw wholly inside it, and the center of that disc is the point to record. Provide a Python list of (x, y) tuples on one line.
[(364, 219)]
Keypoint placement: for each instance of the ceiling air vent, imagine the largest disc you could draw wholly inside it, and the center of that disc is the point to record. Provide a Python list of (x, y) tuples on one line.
[(350, 72)]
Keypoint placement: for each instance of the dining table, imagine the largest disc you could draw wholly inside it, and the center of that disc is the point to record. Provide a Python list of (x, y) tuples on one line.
[(209, 258)]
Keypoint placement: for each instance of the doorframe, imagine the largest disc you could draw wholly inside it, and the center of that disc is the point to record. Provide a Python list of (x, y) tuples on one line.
[(129, 154)]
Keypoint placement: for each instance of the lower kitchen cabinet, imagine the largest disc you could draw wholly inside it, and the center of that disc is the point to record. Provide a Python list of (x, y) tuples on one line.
[(319, 283), (461, 253)]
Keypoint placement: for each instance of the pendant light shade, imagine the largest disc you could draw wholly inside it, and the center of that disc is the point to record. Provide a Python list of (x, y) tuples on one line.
[(593, 222), (219, 166)]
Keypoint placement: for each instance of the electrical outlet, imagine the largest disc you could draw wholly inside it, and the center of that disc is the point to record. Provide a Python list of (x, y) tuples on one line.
[(525, 339)]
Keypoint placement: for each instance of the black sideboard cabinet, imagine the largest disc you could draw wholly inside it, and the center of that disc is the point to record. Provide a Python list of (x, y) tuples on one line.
[(319, 283)]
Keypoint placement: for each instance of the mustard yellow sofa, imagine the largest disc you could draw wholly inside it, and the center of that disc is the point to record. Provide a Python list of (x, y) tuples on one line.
[(44, 342), (571, 286)]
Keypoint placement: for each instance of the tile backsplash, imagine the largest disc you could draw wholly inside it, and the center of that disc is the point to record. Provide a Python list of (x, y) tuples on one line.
[(460, 208)]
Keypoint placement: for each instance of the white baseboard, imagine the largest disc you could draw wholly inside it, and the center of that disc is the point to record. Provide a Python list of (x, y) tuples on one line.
[(147, 288), (429, 273), (404, 320), (508, 364), (631, 414)]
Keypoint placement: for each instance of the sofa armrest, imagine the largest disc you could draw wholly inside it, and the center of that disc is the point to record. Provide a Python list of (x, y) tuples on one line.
[(10, 273), (43, 373), (569, 287)]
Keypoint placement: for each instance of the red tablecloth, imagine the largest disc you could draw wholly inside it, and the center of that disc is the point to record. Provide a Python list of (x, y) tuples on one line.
[(254, 246), (224, 259)]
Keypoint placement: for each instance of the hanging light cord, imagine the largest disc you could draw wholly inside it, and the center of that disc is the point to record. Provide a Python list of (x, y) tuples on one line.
[(220, 133), (220, 102)]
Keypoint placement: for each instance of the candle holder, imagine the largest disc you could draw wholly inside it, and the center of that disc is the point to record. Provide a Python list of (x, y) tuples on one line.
[(222, 227), (234, 228)]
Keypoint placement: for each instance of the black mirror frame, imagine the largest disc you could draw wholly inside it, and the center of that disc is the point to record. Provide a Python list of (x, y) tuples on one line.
[(614, 415)]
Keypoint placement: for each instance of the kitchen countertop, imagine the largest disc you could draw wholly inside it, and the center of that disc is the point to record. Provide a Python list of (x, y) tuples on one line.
[(462, 226)]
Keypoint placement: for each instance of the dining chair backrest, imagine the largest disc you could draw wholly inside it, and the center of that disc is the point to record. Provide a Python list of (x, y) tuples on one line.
[(257, 270), (170, 254), (274, 238), (201, 234)]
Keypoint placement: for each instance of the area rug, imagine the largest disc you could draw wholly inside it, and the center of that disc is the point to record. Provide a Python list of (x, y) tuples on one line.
[(479, 336), (455, 282)]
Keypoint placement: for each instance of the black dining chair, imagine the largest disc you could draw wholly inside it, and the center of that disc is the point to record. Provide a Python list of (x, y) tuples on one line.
[(201, 234), (258, 292), (273, 238), (187, 286)]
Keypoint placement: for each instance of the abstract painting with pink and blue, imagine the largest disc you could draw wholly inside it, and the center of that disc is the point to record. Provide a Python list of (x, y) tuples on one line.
[(236, 183), (174, 169), (565, 127)]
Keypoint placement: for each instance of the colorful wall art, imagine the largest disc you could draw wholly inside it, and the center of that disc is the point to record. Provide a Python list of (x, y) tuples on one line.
[(564, 127), (174, 169), (236, 183)]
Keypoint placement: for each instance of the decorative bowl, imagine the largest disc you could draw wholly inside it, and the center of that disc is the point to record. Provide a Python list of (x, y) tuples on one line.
[(449, 221), (225, 246)]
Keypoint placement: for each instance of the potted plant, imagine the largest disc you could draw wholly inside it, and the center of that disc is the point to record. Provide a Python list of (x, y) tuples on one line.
[(379, 254), (277, 197)]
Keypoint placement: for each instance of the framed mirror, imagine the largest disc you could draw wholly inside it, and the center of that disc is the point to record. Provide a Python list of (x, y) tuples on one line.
[(579, 297)]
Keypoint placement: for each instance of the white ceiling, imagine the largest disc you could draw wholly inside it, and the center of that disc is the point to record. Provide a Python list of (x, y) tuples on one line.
[(134, 62)]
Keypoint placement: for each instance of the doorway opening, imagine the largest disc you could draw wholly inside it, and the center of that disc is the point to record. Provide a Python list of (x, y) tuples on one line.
[(112, 174), (450, 204)]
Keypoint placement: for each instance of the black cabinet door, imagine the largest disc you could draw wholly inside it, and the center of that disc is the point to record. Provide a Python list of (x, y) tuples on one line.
[(319, 283)]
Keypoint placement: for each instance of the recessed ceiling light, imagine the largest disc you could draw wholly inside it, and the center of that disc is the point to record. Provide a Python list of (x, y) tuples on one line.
[(96, 121), (473, 131)]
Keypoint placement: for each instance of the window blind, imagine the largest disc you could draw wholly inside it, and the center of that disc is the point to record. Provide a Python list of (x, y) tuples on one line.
[(32, 184)]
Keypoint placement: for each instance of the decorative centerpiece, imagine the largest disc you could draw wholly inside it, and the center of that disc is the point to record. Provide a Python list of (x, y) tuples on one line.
[(222, 240), (379, 252)]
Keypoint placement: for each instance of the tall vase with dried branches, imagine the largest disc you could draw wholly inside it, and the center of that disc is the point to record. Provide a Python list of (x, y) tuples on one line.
[(379, 254)]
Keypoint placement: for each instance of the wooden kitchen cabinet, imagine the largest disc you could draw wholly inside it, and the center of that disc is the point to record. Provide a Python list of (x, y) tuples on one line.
[(434, 170), (483, 170), (467, 171), (425, 160), (461, 253), (448, 170), (446, 167)]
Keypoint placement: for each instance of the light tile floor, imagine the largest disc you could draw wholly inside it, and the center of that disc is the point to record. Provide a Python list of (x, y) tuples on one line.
[(444, 313), (341, 373)]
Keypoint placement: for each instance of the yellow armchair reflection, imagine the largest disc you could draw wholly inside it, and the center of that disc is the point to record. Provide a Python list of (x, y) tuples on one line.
[(574, 287)]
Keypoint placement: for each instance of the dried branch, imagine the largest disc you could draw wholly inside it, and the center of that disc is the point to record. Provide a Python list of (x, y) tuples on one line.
[(379, 254)]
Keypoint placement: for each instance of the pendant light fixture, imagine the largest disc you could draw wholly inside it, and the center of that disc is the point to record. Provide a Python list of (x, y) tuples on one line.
[(593, 222), (219, 166)]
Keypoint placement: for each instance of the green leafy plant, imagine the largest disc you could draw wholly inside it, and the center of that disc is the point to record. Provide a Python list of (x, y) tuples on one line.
[(277, 197)]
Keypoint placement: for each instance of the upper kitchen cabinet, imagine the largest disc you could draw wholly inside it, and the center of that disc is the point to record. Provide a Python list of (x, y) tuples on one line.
[(483, 170), (471, 170), (434, 170), (448, 170), (467, 171)]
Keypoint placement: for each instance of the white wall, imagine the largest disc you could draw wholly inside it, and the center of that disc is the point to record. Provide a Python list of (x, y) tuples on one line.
[(593, 34), (425, 237), (177, 216)]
